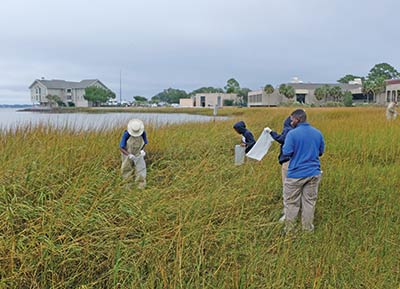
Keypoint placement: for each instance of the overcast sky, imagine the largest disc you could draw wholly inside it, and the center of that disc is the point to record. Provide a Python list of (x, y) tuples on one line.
[(187, 44)]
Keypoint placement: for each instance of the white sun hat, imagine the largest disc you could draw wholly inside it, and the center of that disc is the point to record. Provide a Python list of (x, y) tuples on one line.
[(135, 127)]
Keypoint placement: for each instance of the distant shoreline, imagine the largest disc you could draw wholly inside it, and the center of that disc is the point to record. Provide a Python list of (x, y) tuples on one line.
[(63, 110), (15, 105)]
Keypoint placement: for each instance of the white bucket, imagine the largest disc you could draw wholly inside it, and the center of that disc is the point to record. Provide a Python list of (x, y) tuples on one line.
[(239, 154)]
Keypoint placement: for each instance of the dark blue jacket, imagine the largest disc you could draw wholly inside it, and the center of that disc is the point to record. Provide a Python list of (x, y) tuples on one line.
[(240, 127), (280, 138)]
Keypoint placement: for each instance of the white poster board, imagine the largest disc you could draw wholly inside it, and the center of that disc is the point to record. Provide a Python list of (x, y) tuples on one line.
[(260, 149)]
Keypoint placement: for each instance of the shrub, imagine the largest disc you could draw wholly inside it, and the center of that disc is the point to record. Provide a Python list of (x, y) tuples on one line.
[(348, 99), (228, 102)]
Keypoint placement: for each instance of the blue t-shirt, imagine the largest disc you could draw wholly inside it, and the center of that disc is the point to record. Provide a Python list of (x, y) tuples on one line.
[(304, 145), (125, 137)]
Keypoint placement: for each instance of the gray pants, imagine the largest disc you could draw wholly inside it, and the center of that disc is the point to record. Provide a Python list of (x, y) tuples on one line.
[(300, 193), (130, 168)]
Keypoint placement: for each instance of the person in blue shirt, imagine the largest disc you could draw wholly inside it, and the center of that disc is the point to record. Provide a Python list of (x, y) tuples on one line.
[(304, 146), (247, 137), (132, 146), (282, 159)]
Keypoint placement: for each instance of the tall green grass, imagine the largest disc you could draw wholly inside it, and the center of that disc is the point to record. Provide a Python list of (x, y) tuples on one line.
[(67, 220)]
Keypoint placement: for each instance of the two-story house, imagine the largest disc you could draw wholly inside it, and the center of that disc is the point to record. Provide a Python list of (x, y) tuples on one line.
[(70, 92)]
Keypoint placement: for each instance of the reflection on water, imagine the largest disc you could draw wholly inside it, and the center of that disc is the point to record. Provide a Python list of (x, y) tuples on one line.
[(11, 118)]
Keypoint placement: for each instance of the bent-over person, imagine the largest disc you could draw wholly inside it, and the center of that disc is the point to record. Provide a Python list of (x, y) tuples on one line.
[(131, 146)]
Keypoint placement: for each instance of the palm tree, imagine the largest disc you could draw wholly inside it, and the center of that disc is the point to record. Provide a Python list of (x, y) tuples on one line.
[(268, 89)]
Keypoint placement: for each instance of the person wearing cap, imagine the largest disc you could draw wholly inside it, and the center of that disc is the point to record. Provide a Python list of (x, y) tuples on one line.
[(131, 146)]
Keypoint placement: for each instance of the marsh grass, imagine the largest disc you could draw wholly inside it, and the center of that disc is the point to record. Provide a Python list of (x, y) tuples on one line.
[(66, 220)]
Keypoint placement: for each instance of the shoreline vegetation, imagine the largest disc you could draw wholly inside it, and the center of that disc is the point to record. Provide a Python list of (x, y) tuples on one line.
[(200, 111), (228, 111), (68, 221)]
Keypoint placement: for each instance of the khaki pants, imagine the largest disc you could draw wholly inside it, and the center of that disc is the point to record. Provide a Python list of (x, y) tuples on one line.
[(284, 174), (300, 193), (284, 171)]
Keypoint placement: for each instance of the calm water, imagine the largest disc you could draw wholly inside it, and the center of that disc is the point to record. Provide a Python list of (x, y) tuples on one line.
[(11, 118)]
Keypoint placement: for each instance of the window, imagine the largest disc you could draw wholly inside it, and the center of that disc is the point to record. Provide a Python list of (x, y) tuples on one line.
[(388, 96), (37, 93), (69, 94), (398, 96), (202, 101), (393, 95)]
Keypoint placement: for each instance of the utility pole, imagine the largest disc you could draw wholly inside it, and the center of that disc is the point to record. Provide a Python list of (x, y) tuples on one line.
[(120, 86)]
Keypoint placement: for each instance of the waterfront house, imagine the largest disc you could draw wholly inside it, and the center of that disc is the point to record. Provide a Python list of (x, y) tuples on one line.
[(71, 93)]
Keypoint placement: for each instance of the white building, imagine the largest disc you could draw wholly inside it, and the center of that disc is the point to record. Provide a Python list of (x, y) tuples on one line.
[(392, 90), (304, 93), (213, 99)]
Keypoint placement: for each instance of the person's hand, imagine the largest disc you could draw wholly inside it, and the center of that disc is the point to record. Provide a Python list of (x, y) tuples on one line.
[(242, 144), (267, 130), (131, 157), (142, 153)]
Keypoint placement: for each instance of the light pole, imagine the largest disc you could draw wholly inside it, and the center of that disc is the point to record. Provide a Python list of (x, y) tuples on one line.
[(120, 86)]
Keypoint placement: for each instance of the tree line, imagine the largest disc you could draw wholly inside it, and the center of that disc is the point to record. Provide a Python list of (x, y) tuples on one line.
[(172, 95), (372, 84)]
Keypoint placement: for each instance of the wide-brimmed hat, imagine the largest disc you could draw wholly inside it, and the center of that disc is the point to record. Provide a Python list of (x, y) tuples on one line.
[(135, 127)]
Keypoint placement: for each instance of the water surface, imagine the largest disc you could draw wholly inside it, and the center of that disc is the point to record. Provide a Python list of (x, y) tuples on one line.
[(12, 118)]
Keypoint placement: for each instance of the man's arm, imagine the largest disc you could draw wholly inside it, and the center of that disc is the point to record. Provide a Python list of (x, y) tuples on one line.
[(122, 144), (280, 138), (322, 146)]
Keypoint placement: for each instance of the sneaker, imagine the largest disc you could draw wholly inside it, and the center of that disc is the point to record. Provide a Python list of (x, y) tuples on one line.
[(282, 219)]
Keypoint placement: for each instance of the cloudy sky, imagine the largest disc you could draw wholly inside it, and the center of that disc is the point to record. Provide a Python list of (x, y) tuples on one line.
[(187, 44)]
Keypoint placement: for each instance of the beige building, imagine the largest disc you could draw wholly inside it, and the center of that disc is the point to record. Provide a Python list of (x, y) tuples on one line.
[(186, 102), (260, 98), (392, 90), (213, 99), (304, 93), (68, 91)]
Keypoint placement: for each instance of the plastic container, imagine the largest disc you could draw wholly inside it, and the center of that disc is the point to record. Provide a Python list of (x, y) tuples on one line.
[(239, 154)]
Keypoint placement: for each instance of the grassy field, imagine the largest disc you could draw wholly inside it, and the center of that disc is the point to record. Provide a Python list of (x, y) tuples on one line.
[(66, 220)]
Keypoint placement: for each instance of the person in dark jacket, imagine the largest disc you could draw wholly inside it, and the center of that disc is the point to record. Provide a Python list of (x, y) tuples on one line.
[(247, 137), (283, 160)]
